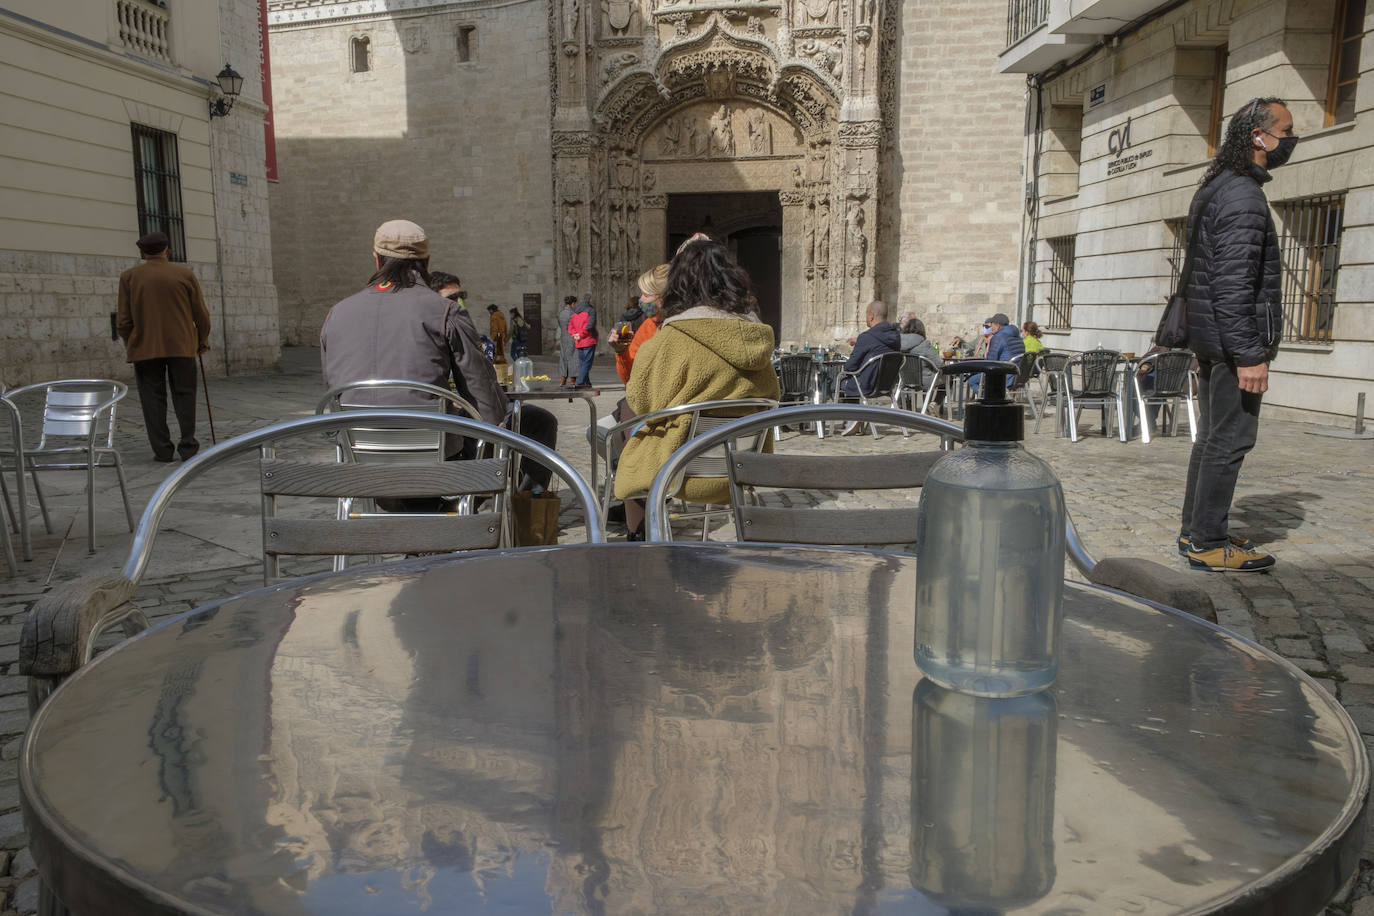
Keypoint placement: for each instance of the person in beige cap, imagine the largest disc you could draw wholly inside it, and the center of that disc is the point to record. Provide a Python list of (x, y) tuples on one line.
[(397, 327), (164, 324)]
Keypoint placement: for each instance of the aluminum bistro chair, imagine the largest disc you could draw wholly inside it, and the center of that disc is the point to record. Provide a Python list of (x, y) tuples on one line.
[(796, 380), (1049, 368), (751, 470), (1021, 388), (920, 381), (702, 416), (1093, 379), (78, 432), (1173, 383), (887, 384), (61, 631), (1131, 575)]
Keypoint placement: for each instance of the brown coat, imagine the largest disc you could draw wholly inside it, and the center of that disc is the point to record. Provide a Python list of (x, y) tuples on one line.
[(161, 312)]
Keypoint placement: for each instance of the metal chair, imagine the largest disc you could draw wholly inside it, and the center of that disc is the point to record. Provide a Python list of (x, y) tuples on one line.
[(1130, 575), (64, 624), (749, 469), (78, 420), (796, 380), (1172, 383), (920, 377), (1093, 379), (365, 444), (704, 416), (1020, 388), (1049, 368), (887, 383)]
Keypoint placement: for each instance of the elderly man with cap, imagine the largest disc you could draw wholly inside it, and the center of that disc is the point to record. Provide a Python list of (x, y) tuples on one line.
[(397, 327), (164, 324), (1005, 343)]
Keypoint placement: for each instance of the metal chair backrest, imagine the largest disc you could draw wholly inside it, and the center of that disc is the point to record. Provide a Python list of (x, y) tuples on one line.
[(889, 377), (1025, 369), (1171, 372), (919, 372), (364, 444), (1092, 374), (1051, 364), (795, 371), (749, 468), (76, 409)]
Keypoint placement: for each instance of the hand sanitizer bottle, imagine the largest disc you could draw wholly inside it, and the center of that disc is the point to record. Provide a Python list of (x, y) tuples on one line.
[(990, 548)]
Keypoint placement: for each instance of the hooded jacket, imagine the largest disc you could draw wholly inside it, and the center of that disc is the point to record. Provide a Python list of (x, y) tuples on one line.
[(702, 354), (1234, 311), (917, 345), (1006, 344), (883, 337), (582, 325)]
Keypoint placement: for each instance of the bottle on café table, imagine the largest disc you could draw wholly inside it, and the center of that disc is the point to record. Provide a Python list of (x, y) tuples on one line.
[(990, 547)]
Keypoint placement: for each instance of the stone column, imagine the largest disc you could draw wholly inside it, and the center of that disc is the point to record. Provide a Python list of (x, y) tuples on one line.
[(653, 229), (795, 321)]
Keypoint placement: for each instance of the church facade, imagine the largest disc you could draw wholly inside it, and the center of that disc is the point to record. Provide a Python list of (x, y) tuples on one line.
[(845, 150)]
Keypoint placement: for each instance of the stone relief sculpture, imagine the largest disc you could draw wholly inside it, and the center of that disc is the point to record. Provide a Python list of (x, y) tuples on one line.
[(632, 241), (829, 57), (723, 132), (858, 241), (572, 10), (617, 240), (615, 63), (413, 39), (822, 258), (669, 143), (809, 246), (701, 141), (619, 14), (815, 12), (689, 135), (797, 176), (760, 133), (572, 240)]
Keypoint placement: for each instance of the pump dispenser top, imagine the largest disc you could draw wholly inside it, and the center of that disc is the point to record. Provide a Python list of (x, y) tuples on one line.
[(990, 574)]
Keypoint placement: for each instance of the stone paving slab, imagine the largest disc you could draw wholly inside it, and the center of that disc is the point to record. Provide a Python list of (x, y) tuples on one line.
[(1304, 497)]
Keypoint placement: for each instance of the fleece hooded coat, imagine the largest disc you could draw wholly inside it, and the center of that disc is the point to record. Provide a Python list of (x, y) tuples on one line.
[(703, 354)]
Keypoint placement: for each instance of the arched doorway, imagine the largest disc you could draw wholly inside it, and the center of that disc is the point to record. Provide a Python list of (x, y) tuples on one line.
[(750, 224)]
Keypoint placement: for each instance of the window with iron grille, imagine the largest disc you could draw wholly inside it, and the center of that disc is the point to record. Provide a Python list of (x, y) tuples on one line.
[(1060, 283), (1216, 129), (1178, 234), (1310, 239), (157, 180), (361, 54)]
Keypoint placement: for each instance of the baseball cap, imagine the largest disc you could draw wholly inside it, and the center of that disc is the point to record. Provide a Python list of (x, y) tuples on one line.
[(400, 238), (1000, 318)]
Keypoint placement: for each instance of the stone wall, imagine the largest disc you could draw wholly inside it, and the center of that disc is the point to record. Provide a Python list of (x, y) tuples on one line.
[(462, 148), (954, 188)]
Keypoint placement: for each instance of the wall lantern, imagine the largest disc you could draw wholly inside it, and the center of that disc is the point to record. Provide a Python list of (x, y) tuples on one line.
[(230, 85)]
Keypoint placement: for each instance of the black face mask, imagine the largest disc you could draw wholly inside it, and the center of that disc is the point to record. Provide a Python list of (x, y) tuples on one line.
[(1279, 154)]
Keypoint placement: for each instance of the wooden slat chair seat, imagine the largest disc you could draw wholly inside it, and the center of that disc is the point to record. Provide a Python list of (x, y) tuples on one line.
[(63, 626)]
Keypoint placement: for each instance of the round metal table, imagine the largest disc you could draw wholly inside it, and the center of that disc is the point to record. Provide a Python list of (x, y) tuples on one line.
[(657, 728)]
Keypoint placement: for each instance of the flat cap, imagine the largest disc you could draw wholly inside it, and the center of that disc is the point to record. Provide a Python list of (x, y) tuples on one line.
[(400, 238)]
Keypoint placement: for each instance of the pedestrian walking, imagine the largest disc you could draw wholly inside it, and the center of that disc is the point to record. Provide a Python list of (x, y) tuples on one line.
[(165, 325), (1235, 319), (582, 328), (567, 350)]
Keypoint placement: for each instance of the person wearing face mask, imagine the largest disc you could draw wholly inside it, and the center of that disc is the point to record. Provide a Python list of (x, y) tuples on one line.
[(1235, 320), (652, 283)]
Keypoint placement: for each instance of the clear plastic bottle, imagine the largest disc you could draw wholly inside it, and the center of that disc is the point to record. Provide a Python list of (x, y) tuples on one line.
[(524, 371), (990, 574)]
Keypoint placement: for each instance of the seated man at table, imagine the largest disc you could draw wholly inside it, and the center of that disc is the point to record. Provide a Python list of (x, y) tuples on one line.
[(882, 336), (1004, 343), (398, 328)]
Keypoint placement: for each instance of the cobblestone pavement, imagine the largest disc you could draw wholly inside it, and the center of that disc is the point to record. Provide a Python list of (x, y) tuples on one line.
[(1304, 496)]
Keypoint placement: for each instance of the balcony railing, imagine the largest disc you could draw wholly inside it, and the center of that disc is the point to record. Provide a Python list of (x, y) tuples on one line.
[(1024, 17), (144, 29)]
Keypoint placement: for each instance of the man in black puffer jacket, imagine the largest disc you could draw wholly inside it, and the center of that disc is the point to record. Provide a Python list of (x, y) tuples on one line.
[(1235, 321)]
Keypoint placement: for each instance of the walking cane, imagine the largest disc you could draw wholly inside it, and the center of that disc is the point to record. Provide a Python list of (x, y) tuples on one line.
[(205, 386)]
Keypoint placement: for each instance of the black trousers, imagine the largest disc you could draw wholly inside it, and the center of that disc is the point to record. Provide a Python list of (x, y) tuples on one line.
[(154, 377), (1227, 431)]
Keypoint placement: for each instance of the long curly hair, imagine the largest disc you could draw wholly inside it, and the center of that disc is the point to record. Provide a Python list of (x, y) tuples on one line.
[(703, 273), (1237, 152)]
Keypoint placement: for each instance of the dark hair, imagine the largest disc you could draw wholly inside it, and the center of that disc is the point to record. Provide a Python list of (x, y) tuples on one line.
[(570, 300), (1031, 328), (704, 273), (401, 273), (632, 302), (438, 280), (515, 311), (914, 325), (493, 307), (1237, 152)]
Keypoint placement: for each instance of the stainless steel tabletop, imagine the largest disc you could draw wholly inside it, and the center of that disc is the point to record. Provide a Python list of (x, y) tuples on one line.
[(659, 728)]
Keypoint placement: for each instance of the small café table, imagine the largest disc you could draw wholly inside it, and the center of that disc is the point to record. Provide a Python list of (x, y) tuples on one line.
[(588, 395), (674, 728)]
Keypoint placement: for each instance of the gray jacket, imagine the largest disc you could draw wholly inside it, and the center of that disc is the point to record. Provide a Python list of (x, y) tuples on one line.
[(413, 334)]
